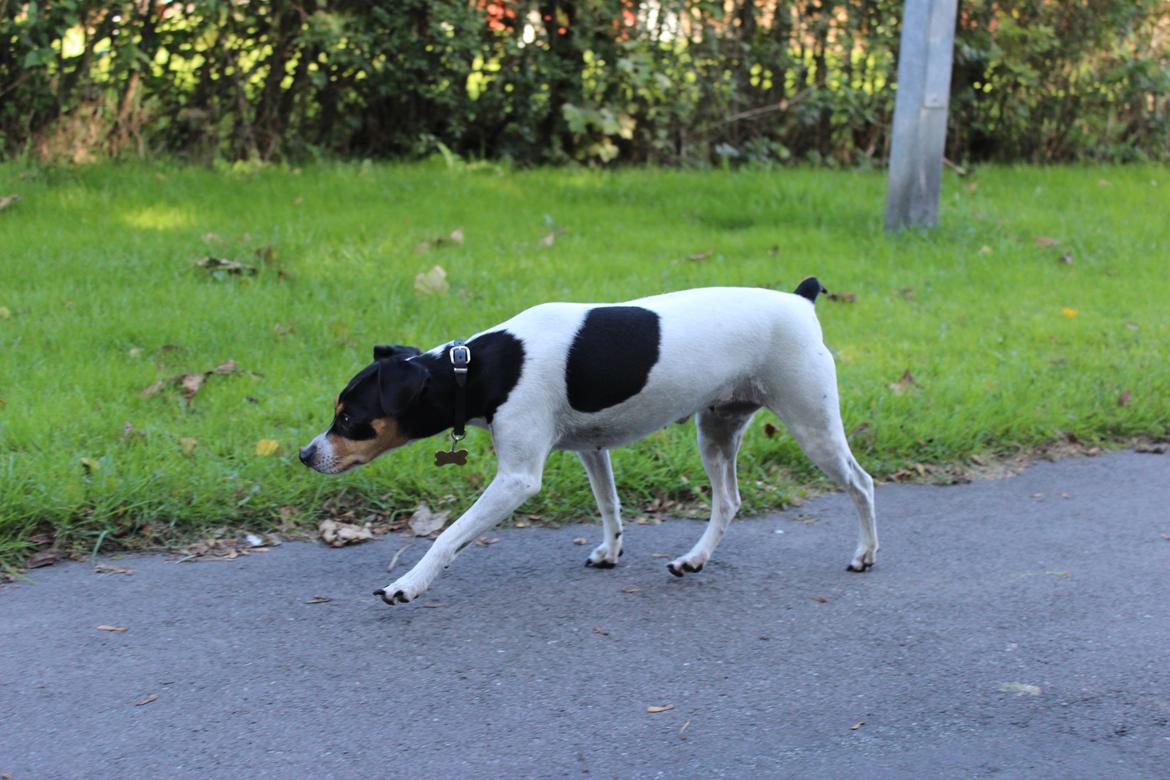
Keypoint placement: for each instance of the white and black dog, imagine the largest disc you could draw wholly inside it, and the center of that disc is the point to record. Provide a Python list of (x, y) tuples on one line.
[(589, 377)]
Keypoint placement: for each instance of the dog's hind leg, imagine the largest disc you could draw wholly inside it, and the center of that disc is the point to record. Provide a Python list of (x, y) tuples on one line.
[(810, 408), (600, 471), (719, 438)]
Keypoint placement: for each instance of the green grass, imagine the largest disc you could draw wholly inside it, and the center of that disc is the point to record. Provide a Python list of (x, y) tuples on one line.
[(102, 300)]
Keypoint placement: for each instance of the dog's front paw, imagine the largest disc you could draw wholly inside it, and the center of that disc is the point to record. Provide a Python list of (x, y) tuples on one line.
[(399, 593), (606, 555), (687, 563)]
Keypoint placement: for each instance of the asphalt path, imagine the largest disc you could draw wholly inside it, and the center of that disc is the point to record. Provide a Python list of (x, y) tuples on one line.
[(1011, 628)]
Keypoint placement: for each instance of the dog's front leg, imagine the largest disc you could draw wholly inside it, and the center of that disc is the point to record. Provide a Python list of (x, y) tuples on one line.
[(507, 491)]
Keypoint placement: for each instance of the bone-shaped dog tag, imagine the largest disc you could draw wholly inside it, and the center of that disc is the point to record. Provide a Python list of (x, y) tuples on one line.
[(458, 457)]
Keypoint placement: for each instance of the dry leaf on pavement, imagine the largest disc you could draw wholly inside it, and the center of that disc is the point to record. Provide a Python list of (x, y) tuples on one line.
[(105, 568), (147, 700), (43, 558), (338, 534), (660, 708), (115, 629)]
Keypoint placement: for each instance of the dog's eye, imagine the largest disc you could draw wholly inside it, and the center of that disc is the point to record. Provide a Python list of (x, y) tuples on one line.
[(344, 418)]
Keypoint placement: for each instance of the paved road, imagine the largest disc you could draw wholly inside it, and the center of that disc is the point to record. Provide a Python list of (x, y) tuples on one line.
[(534, 666)]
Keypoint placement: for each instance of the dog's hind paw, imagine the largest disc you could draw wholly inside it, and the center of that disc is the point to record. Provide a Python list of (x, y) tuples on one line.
[(680, 566), (863, 560)]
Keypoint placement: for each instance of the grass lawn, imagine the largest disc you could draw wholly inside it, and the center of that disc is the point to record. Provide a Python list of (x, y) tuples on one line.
[(1008, 347)]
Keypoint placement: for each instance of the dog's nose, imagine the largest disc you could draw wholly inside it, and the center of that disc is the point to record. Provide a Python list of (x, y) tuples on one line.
[(307, 453)]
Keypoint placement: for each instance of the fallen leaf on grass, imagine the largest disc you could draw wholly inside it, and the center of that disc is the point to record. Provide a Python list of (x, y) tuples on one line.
[(1069, 312), (5, 312), (338, 534), (1046, 241), (1020, 689), (1066, 258), (551, 237), (8, 200), (843, 297), (319, 600), (700, 256), (904, 384), (580, 540), (220, 265), (454, 237), (43, 558), (104, 568), (190, 383), (770, 430), (1124, 398), (984, 250), (660, 708), (425, 522), (432, 282), (857, 725), (115, 629), (188, 445), (147, 700), (89, 466), (266, 447)]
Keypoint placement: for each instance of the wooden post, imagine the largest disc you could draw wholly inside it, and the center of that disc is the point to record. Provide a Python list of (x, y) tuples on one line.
[(920, 113)]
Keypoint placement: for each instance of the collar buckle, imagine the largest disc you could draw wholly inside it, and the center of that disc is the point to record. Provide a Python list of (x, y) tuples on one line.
[(460, 355)]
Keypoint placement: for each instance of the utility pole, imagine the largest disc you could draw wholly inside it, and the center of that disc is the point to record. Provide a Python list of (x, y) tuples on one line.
[(920, 113)]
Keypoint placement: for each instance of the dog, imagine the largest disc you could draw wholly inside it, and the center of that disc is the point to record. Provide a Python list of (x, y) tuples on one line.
[(591, 377)]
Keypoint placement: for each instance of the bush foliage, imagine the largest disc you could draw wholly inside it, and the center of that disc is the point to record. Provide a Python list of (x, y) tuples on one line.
[(662, 81)]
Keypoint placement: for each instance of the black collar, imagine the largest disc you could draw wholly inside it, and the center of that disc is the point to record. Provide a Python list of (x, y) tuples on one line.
[(460, 355)]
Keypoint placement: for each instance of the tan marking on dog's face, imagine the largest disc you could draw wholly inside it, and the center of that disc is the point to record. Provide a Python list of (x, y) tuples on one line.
[(338, 406), (350, 453)]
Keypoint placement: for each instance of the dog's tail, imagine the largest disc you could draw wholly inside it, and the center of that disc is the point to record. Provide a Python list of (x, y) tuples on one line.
[(810, 288)]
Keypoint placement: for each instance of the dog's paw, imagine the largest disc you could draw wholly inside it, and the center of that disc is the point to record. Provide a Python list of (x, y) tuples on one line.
[(399, 593), (605, 556), (688, 563), (863, 560)]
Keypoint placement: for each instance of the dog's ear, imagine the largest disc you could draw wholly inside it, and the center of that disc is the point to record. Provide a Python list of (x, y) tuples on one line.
[(383, 351), (400, 381)]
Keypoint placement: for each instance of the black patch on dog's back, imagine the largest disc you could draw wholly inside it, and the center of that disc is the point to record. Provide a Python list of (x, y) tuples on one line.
[(611, 356)]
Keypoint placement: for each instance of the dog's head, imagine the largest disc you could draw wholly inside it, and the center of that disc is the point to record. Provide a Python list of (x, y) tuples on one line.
[(367, 414)]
